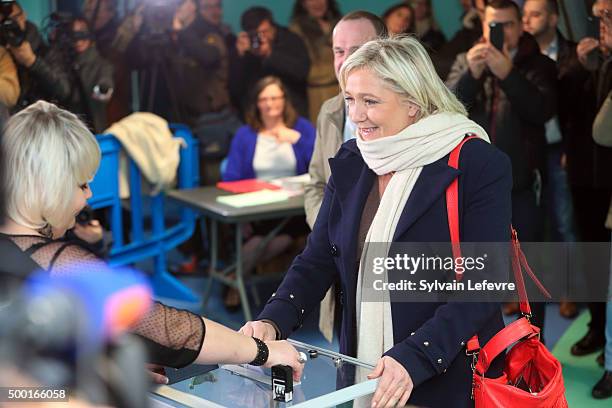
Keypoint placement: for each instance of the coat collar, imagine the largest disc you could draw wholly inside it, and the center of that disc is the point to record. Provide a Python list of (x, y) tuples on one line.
[(334, 111), (353, 181)]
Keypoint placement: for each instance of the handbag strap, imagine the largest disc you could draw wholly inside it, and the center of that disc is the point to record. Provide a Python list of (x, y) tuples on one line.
[(505, 337), (452, 202)]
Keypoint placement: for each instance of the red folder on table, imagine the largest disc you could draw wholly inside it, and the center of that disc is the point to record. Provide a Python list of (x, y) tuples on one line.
[(246, 186)]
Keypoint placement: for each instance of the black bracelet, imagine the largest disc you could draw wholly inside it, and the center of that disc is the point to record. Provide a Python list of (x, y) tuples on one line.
[(262, 353)]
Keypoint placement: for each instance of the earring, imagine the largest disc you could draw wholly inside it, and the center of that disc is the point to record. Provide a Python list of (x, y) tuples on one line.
[(46, 231)]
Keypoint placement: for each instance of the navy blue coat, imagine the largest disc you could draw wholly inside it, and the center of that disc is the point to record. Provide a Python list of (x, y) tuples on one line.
[(429, 337)]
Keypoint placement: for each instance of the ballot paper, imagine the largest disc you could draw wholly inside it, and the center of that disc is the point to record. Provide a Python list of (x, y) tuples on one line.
[(255, 198), (294, 186)]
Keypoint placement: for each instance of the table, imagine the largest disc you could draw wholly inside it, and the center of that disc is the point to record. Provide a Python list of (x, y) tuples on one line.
[(204, 200), (328, 380)]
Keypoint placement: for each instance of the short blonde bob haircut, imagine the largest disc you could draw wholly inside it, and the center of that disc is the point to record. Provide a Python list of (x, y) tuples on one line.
[(404, 65), (48, 155)]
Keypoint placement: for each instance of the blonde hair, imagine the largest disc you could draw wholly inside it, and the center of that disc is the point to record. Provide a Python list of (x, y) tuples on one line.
[(48, 154), (404, 65)]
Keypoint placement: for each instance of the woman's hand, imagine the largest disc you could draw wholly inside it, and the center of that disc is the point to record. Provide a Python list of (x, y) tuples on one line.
[(261, 330), (395, 385), (285, 134), (282, 352)]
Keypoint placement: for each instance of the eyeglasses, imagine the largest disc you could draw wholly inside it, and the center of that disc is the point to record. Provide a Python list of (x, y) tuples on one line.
[(270, 99)]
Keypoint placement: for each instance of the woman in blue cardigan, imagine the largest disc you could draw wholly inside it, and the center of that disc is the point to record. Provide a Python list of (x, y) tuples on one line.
[(388, 186), (274, 143)]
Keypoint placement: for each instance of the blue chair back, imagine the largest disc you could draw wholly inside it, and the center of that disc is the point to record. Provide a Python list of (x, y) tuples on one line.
[(157, 238)]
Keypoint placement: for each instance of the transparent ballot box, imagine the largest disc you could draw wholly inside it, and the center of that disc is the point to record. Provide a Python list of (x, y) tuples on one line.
[(328, 380)]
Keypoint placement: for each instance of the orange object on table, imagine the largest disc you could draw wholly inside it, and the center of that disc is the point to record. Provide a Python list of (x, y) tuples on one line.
[(246, 186)]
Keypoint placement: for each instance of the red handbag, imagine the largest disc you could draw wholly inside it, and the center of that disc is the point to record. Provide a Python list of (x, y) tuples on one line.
[(532, 376)]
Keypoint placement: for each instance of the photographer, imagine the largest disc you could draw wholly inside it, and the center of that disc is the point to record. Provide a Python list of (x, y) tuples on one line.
[(265, 48), (511, 91), (186, 78), (188, 67), (91, 75), (38, 78)]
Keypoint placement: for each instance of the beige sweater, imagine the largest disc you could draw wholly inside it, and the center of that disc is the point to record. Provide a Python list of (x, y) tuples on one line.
[(9, 82), (148, 141)]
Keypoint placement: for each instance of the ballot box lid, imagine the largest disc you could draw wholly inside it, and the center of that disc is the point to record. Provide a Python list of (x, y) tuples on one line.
[(329, 379)]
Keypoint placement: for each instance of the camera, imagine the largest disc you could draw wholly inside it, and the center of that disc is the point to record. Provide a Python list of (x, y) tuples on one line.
[(158, 16), (10, 33)]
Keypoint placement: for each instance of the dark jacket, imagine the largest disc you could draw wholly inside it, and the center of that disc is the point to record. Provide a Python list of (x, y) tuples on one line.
[(602, 158), (201, 71), (120, 104), (45, 79), (289, 61), (576, 104), (85, 71), (516, 118), (462, 41), (191, 72), (433, 40), (428, 337)]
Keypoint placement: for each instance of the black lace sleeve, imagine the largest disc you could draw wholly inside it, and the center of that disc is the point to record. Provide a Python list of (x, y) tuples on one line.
[(173, 337)]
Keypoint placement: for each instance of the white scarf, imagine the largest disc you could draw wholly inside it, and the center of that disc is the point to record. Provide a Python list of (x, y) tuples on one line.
[(418, 145)]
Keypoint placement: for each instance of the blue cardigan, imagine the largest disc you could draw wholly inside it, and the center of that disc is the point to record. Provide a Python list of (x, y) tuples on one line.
[(242, 150), (429, 337)]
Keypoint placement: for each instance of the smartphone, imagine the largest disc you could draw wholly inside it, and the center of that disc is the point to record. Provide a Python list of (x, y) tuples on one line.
[(496, 35), (592, 28)]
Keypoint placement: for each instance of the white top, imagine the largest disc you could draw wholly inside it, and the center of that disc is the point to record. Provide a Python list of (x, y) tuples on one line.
[(350, 128), (273, 159)]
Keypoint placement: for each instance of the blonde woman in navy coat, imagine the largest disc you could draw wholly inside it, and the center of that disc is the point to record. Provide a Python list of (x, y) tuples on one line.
[(388, 185)]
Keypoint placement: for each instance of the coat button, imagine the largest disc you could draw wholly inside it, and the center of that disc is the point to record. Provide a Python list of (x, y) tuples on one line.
[(426, 343), (462, 343), (291, 295), (412, 334), (439, 361), (334, 250)]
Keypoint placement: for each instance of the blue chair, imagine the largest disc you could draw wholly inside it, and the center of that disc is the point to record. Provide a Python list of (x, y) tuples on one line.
[(158, 239)]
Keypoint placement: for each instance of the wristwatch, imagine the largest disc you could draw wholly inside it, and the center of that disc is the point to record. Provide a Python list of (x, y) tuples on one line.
[(262, 353)]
